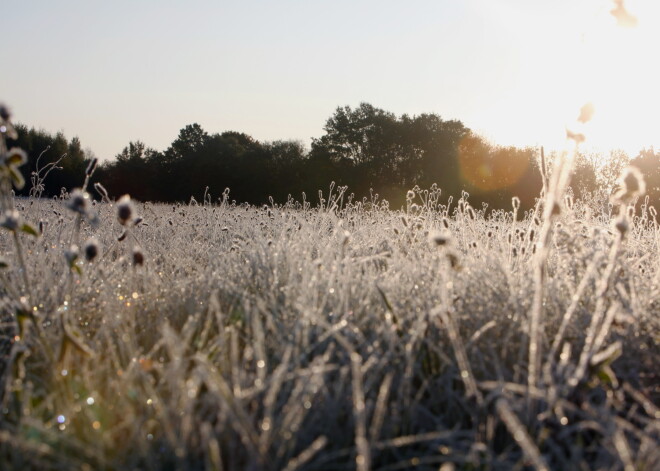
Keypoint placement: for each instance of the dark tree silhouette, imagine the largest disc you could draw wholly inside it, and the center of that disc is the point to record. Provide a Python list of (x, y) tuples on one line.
[(366, 148)]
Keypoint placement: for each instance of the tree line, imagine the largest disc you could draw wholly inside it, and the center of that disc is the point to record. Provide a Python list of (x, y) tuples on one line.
[(365, 148)]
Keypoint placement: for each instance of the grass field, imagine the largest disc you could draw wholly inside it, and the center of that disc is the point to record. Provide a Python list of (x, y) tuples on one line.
[(338, 335)]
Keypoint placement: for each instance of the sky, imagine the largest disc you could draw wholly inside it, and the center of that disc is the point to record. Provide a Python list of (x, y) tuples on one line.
[(515, 71)]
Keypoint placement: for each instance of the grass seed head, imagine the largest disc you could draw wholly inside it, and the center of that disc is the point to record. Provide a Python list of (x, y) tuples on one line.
[(439, 239)]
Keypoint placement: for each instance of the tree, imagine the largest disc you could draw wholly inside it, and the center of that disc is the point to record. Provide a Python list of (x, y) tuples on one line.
[(648, 161), (71, 169), (370, 147), (191, 139)]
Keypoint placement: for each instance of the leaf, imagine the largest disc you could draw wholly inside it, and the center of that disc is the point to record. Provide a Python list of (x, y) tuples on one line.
[(29, 229), (606, 375), (607, 356), (17, 177), (16, 157)]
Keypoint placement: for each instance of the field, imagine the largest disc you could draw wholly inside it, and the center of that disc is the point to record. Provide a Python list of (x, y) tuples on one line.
[(335, 335)]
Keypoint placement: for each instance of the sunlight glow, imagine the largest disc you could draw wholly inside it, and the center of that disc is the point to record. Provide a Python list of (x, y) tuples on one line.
[(620, 78), (576, 57)]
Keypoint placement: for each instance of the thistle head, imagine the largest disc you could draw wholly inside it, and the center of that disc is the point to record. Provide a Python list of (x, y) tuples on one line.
[(91, 249), (124, 210), (138, 256), (79, 201)]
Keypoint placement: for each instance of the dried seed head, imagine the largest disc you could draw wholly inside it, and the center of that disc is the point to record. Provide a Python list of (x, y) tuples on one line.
[(72, 254), (515, 202), (345, 238), (5, 114), (124, 210), (439, 239), (633, 181), (556, 209), (632, 185), (91, 249), (102, 191), (410, 195), (575, 136), (91, 167), (138, 256), (623, 17), (586, 113), (621, 224), (11, 220), (79, 201), (453, 259)]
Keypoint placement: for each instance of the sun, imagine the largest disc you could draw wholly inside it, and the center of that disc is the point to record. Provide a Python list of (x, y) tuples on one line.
[(618, 75), (573, 55)]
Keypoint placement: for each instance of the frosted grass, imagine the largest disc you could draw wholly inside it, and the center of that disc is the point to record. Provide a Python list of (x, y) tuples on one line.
[(330, 336)]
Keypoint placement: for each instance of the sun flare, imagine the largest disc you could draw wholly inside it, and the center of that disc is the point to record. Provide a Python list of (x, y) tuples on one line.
[(619, 74), (574, 57)]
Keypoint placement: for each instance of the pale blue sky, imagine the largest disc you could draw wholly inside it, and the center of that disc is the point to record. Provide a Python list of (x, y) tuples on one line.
[(112, 72)]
